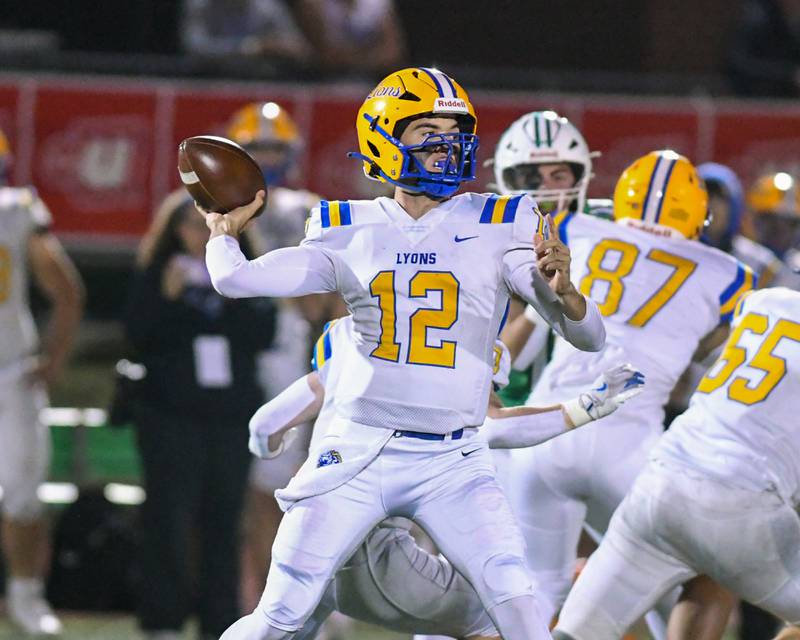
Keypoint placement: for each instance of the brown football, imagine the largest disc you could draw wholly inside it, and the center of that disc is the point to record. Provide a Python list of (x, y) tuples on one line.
[(218, 173)]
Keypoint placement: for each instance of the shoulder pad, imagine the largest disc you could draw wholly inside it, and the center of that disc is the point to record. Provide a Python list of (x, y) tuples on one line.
[(743, 282)]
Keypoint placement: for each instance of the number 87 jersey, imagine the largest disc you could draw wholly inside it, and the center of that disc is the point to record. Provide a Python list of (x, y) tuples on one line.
[(660, 294)]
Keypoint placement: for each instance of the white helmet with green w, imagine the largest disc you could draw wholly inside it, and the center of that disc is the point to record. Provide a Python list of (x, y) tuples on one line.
[(543, 138)]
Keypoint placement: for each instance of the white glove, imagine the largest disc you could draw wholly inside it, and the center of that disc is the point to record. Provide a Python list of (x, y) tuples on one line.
[(259, 444), (614, 387)]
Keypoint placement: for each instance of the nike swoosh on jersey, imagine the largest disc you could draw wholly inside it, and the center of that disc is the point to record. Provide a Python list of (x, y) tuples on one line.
[(603, 388), (469, 452), (457, 239)]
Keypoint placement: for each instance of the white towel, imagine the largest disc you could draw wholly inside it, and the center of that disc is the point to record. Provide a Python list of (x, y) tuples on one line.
[(348, 448)]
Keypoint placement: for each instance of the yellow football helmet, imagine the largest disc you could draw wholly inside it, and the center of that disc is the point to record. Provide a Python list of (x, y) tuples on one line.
[(662, 189), (264, 127), (776, 194), (400, 98)]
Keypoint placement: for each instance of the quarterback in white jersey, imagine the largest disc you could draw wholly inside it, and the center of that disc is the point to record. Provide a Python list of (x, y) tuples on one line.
[(663, 295), (427, 277), (721, 491), (26, 247), (390, 580)]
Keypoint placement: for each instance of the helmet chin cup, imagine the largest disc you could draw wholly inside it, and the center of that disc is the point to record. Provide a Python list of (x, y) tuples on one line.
[(434, 189)]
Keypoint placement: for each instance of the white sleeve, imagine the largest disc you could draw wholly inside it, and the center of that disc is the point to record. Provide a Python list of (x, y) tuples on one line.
[(523, 431), (282, 409), (283, 273), (523, 278), (537, 341)]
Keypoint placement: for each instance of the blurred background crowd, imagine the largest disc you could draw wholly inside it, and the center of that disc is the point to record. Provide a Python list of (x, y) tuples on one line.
[(95, 97)]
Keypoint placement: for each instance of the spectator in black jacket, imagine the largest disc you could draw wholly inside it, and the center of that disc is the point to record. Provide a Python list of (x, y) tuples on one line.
[(198, 395)]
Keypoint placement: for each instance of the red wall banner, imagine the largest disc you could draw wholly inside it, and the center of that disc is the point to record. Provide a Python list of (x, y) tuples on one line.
[(102, 152)]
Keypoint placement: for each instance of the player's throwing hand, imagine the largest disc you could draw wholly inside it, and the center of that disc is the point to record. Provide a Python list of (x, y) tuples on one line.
[(553, 259), (232, 223)]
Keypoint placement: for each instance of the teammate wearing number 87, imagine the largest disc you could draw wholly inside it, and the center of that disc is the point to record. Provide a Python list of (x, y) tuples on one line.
[(666, 298), (427, 276)]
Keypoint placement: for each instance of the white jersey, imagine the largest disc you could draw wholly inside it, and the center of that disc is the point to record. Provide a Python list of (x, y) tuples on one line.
[(427, 295), (22, 213), (741, 425), (337, 336), (660, 296), (763, 262)]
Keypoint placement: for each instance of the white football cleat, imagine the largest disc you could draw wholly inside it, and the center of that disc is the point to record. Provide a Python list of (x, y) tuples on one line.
[(31, 613)]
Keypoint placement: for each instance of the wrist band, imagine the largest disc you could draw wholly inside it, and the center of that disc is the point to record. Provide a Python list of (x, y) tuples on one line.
[(577, 414)]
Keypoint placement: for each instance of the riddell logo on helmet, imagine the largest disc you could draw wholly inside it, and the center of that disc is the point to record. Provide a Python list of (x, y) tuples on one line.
[(450, 104)]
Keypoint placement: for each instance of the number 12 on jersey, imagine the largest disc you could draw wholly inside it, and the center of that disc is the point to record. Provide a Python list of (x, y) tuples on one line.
[(421, 285)]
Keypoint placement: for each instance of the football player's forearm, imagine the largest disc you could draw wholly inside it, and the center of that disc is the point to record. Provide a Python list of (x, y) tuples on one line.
[(572, 316), (283, 273), (296, 404), (300, 402), (588, 333), (63, 328), (519, 427)]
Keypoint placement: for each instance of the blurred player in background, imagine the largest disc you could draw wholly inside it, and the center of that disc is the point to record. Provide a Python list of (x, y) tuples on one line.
[(666, 298), (720, 493), (543, 155), (27, 369), (270, 135), (774, 205), (390, 580), (404, 438), (726, 211)]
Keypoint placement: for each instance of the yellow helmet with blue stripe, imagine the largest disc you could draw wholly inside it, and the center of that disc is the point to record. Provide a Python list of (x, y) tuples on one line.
[(400, 98), (662, 189), (267, 127), (775, 193)]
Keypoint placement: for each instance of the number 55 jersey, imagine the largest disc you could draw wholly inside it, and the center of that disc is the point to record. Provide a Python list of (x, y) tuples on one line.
[(660, 295), (741, 426)]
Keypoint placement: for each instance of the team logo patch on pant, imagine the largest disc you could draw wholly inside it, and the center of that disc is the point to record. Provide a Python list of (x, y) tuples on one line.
[(328, 458)]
